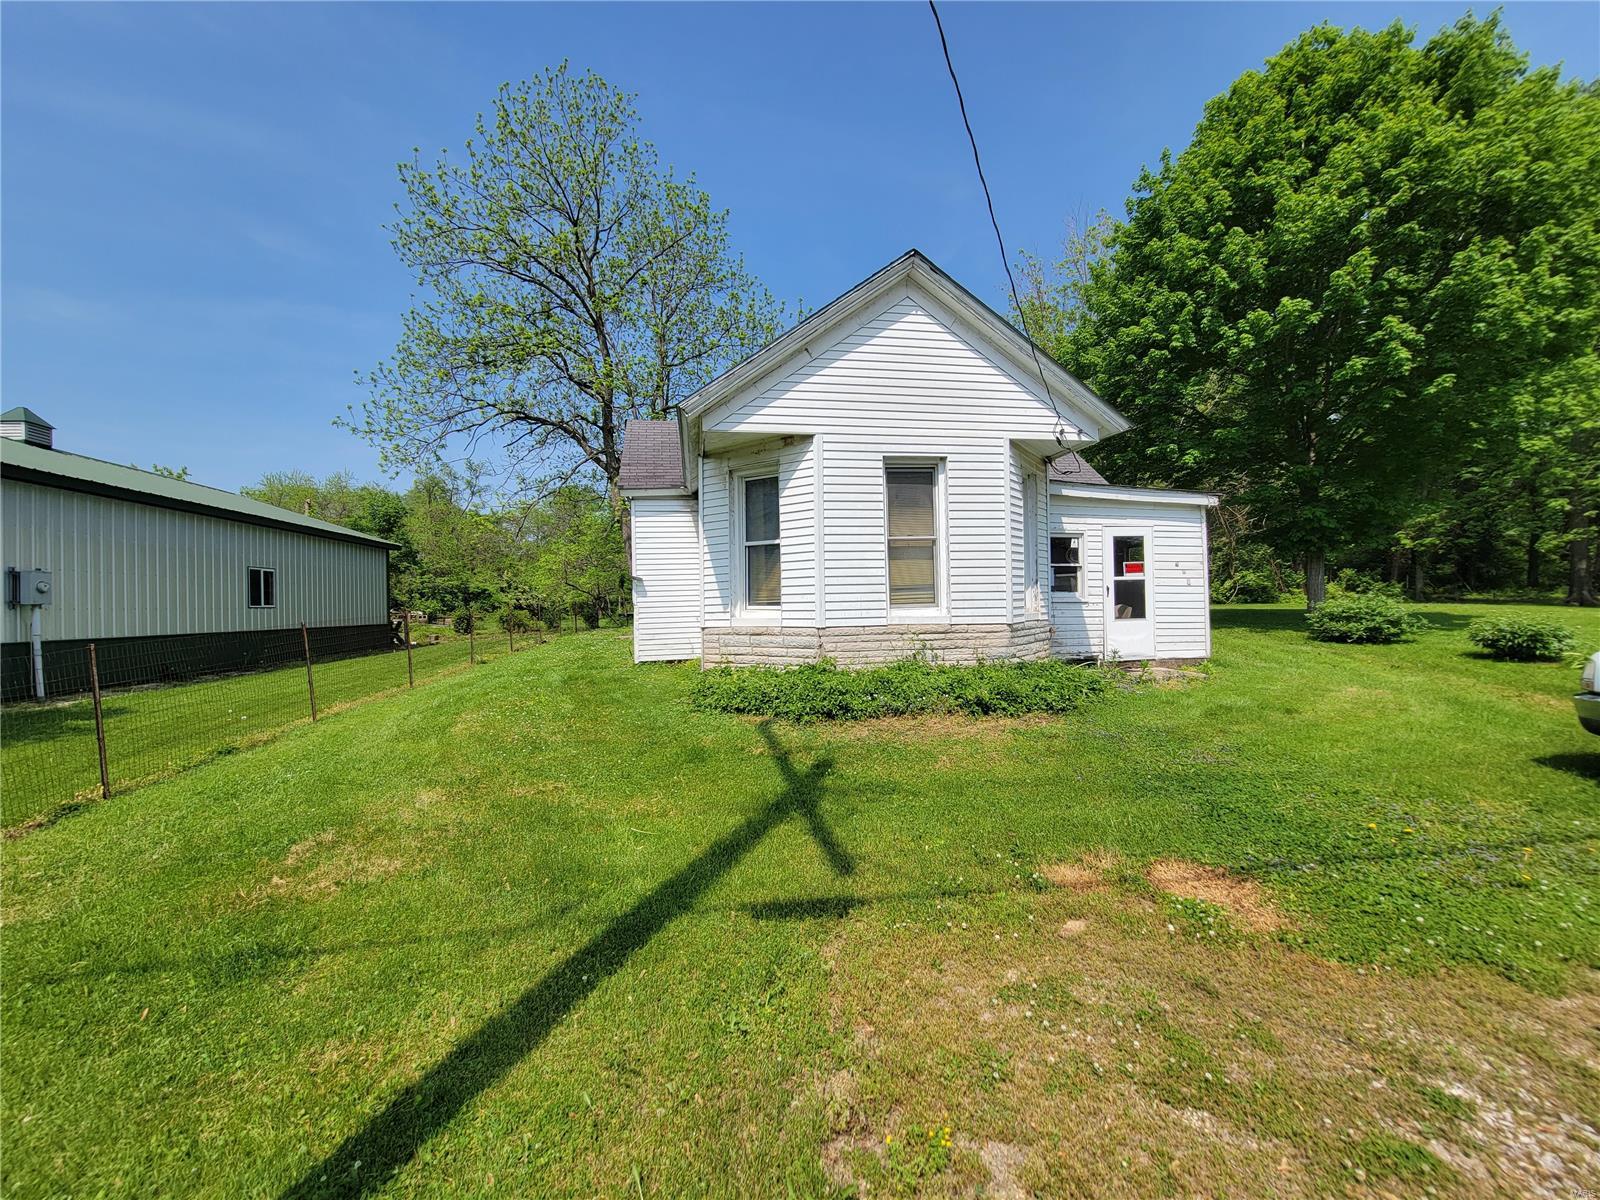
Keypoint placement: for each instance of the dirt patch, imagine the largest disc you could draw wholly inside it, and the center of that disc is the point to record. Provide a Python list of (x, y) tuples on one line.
[(1004, 1162), (1086, 874), (1243, 899), (318, 867)]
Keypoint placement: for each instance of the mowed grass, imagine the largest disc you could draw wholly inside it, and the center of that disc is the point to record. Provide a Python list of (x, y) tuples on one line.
[(542, 929), (50, 763)]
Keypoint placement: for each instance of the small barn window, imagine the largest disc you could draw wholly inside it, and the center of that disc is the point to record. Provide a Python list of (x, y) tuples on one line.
[(1066, 564), (263, 587), (913, 521), (763, 578)]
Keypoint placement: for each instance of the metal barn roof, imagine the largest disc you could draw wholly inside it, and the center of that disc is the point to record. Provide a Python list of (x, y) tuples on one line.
[(76, 472)]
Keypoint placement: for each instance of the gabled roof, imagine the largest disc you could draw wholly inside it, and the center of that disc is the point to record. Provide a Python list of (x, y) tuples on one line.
[(652, 456), (25, 414), (76, 472), (912, 265)]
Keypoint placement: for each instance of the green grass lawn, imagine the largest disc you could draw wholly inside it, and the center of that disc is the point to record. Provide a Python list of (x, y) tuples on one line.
[(541, 929), (50, 761)]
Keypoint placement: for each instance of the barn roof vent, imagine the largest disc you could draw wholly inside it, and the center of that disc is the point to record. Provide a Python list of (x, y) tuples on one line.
[(25, 425)]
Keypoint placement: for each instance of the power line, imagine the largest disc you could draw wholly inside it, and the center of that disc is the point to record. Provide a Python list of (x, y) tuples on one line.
[(1005, 259)]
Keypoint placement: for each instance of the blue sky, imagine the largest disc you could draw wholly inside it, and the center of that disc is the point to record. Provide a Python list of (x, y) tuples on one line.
[(194, 264)]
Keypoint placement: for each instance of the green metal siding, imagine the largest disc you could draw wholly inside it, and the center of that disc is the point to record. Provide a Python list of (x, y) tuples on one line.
[(124, 569)]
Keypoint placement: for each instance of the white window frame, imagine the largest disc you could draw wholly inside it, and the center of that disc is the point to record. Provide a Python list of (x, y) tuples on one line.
[(921, 614), (754, 614), (249, 580), (1083, 567)]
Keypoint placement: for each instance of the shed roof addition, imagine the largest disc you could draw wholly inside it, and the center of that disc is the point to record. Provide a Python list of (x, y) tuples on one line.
[(652, 456), (1071, 467)]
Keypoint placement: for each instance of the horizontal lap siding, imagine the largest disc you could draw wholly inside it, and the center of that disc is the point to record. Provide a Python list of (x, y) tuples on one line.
[(122, 569), (903, 384), (666, 580), (1180, 600), (796, 467)]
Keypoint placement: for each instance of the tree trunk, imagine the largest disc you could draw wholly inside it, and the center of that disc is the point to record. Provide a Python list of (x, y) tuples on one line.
[(1419, 574), (1580, 567), (1397, 565), (1533, 560), (1316, 578)]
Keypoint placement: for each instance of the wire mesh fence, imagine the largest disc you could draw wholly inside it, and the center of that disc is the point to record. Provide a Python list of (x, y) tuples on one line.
[(169, 704)]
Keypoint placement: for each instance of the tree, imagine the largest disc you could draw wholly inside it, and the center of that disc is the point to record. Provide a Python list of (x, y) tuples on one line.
[(1365, 252), (569, 284)]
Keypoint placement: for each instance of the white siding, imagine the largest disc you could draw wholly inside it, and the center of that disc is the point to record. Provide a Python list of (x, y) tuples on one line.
[(666, 580), (905, 383), (795, 462), (1180, 604), (123, 569)]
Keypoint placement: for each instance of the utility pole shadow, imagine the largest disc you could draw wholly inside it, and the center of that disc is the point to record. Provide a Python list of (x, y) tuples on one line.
[(366, 1160)]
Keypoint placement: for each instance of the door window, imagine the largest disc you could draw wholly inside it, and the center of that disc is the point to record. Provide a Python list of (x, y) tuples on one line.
[(1128, 581)]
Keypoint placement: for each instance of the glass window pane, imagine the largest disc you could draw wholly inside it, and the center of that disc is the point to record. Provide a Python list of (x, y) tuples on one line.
[(1064, 550), (1129, 595), (763, 581), (1126, 550), (761, 510), (910, 491), (911, 573), (1064, 579), (269, 588), (255, 588)]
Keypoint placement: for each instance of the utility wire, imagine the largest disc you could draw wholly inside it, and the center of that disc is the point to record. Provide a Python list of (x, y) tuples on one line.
[(1005, 259)]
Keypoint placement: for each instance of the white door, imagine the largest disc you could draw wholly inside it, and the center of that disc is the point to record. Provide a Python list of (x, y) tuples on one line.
[(1130, 613)]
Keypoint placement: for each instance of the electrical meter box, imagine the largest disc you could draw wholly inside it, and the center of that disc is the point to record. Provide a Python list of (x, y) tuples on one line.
[(28, 587)]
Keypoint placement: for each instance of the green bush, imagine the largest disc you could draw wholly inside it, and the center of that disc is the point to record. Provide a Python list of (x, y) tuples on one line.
[(1519, 639), (516, 620), (1353, 582), (462, 622), (1250, 586), (822, 691), (1369, 619)]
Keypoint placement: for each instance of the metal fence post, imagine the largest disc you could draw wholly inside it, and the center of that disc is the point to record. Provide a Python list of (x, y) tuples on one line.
[(472, 639), (311, 687), (99, 725), (411, 674)]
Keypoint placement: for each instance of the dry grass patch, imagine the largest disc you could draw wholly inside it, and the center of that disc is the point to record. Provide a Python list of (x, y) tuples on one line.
[(1242, 899), (1091, 872), (1136, 1063)]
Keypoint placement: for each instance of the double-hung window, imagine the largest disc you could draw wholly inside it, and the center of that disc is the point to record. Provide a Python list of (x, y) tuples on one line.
[(763, 575), (1066, 564), (913, 525), (263, 587)]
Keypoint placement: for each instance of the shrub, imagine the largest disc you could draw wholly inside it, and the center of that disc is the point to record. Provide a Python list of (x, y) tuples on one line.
[(1369, 619), (822, 691), (462, 622), (1519, 639), (516, 620), (1250, 586), (1353, 582)]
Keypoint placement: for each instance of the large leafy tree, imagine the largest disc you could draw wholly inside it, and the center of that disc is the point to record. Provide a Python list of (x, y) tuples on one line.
[(567, 282), (1368, 250)]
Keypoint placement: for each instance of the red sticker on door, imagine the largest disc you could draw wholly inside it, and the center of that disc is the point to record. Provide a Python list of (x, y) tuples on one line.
[(1133, 568)]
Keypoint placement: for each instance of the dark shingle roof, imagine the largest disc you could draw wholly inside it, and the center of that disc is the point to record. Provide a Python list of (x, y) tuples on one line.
[(1071, 468), (652, 456)]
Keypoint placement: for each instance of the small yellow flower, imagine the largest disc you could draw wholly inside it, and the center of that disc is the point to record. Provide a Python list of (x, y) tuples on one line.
[(1409, 829), (1372, 824), (887, 1138)]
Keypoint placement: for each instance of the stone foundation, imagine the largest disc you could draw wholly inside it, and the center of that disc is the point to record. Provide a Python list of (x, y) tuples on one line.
[(873, 645)]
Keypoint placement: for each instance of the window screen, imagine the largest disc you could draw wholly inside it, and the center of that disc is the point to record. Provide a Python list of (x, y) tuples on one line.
[(913, 541), (1128, 583), (763, 577), (1066, 564)]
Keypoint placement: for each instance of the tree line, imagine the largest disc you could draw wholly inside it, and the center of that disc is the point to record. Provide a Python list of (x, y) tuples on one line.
[(1363, 305), (459, 551)]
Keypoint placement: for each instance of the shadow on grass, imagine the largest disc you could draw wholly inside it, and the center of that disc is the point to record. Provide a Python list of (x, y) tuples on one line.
[(366, 1160), (1293, 620), (1584, 766)]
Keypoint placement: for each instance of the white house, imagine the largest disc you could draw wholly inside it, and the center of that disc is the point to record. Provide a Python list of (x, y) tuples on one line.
[(892, 476)]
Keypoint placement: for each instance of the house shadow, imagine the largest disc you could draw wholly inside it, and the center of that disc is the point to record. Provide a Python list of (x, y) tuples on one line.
[(369, 1158)]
